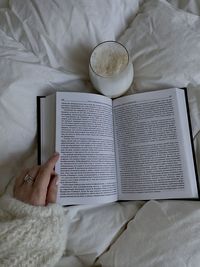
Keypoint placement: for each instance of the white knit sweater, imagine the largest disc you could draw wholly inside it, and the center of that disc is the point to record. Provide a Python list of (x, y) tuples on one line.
[(30, 236)]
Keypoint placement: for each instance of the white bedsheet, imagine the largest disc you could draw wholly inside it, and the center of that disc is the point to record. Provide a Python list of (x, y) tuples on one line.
[(161, 234), (45, 46)]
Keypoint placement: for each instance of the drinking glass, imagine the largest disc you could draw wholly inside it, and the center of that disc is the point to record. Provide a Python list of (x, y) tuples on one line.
[(110, 69)]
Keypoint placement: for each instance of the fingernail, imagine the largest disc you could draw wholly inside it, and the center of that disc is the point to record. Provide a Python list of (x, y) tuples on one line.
[(56, 154), (57, 180)]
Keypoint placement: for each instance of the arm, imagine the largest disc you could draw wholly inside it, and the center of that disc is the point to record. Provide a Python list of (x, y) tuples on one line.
[(32, 226)]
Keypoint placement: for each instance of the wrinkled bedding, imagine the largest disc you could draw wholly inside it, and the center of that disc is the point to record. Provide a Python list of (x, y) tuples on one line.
[(44, 47)]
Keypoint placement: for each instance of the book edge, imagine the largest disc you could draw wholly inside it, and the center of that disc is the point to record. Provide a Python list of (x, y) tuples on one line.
[(192, 142)]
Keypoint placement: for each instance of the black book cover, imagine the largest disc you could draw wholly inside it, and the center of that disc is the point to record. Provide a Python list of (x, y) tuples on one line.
[(39, 129)]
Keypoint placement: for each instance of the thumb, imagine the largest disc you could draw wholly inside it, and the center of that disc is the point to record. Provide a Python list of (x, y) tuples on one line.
[(52, 190)]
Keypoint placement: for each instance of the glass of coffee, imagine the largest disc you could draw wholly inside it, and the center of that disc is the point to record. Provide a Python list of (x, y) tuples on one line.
[(110, 69)]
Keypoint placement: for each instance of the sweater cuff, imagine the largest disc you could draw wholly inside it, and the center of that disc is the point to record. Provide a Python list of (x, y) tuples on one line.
[(20, 209)]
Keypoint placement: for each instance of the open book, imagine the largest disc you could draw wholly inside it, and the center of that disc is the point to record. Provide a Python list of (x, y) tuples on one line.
[(136, 147)]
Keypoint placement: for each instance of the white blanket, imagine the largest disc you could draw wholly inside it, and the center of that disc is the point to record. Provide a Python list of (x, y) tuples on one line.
[(45, 46)]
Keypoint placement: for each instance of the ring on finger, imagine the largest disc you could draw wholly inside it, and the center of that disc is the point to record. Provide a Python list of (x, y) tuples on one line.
[(31, 175), (29, 179)]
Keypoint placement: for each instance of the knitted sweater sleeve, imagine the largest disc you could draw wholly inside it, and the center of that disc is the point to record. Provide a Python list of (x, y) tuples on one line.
[(30, 236)]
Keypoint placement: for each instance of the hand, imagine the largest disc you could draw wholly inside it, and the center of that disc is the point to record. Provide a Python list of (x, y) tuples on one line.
[(43, 189)]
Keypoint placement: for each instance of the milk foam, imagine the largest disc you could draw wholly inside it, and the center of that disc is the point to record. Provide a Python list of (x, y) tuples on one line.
[(109, 59)]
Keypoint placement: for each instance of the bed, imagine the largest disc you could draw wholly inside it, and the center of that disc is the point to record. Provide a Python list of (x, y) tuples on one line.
[(44, 47)]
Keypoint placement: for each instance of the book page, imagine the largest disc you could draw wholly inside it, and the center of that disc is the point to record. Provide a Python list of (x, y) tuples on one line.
[(151, 159), (47, 123), (186, 146), (85, 141)]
